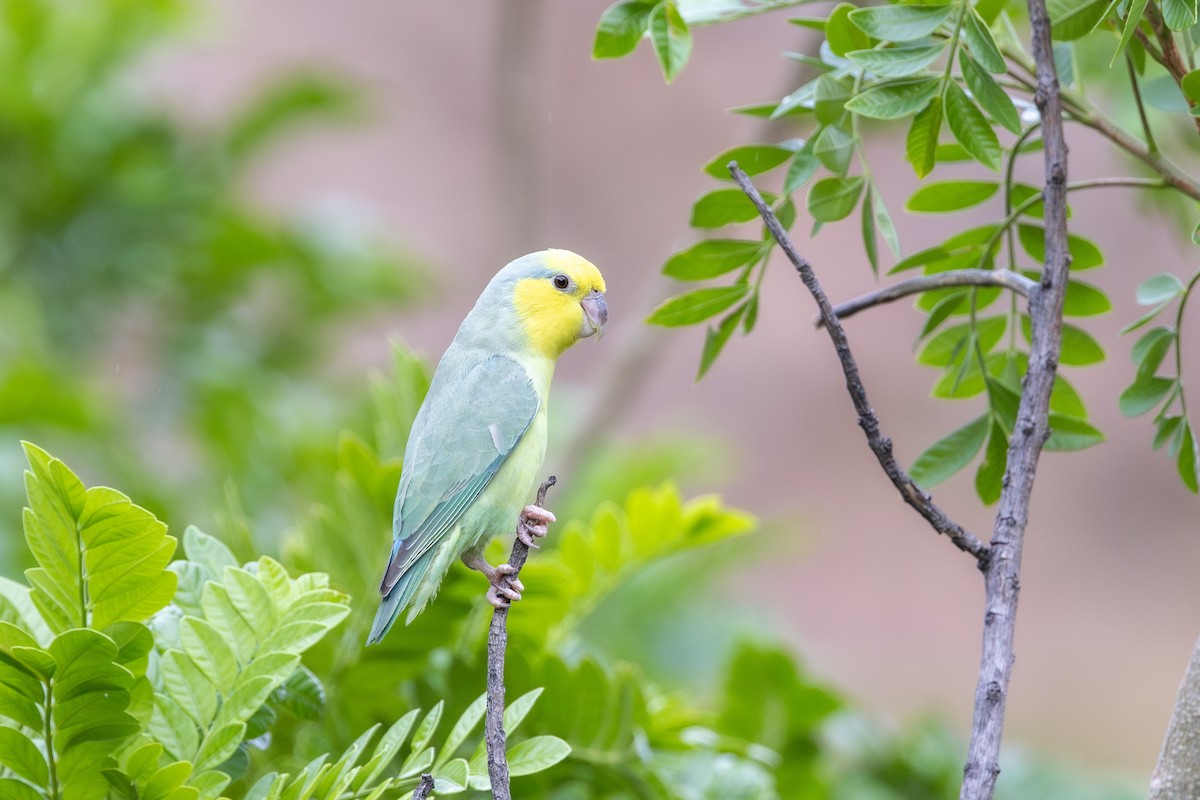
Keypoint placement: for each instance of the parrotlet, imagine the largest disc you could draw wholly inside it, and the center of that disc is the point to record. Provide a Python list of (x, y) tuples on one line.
[(479, 438)]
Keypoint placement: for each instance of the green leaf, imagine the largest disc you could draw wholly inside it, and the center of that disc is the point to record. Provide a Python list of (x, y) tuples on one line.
[(1150, 349), (23, 757), (1168, 427), (536, 754), (1179, 15), (1144, 395), (1159, 289), (1065, 399), (1004, 402), (712, 257), (754, 159), (831, 199), (621, 27), (883, 223), (901, 23), (941, 311), (1136, 9), (989, 10), (843, 35), (451, 778), (722, 207), (922, 140), (208, 552), (1071, 19), (1079, 348), (1021, 192), (671, 39), (867, 226), (994, 100), (461, 729), (833, 147), (423, 735), (970, 128), (302, 694), (785, 212), (716, 338), (803, 167), (1083, 300), (982, 45), (101, 559), (894, 100), (990, 475), (896, 62), (943, 349), (829, 99), (518, 709), (13, 789), (1187, 459), (950, 454), (1070, 434), (1190, 84), (1085, 254), (942, 196), (696, 306)]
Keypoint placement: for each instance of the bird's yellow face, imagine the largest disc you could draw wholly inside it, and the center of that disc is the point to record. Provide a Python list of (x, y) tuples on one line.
[(564, 304)]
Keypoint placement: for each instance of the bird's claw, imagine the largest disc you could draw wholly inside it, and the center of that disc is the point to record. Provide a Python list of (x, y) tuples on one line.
[(505, 588), (534, 524)]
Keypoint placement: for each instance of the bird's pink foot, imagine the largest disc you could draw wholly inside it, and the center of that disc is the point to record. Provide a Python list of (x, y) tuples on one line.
[(533, 524), (505, 587)]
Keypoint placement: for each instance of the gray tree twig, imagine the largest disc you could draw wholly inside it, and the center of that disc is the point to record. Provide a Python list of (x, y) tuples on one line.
[(1002, 578), (912, 494), (424, 788), (1177, 773), (1004, 278), (493, 726)]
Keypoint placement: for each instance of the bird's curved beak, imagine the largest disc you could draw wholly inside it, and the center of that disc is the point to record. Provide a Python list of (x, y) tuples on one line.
[(595, 314)]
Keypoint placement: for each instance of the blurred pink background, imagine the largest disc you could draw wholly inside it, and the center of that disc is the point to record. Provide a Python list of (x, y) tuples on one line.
[(604, 158)]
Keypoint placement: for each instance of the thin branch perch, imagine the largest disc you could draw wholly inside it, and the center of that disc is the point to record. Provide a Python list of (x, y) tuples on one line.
[(424, 788), (493, 730), (1007, 279), (1002, 579), (913, 494)]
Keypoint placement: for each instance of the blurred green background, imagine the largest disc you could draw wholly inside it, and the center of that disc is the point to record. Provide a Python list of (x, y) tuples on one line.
[(218, 220)]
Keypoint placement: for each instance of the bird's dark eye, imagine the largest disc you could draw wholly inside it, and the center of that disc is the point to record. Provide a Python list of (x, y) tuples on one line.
[(561, 281)]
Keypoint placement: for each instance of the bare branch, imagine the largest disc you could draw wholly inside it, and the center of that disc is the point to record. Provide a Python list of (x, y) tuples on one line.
[(1177, 773), (493, 726), (1002, 576), (1004, 278), (913, 494), (424, 788)]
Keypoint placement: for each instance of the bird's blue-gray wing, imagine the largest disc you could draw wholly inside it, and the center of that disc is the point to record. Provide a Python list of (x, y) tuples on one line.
[(467, 427)]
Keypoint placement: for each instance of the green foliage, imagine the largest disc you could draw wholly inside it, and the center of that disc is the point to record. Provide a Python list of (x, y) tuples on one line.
[(139, 692), (128, 253), (930, 67), (1151, 390)]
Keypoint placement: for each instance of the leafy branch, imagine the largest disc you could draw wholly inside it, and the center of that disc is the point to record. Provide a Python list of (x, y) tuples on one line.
[(1149, 389)]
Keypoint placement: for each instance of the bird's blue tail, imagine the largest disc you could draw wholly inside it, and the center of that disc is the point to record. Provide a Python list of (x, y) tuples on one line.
[(400, 596)]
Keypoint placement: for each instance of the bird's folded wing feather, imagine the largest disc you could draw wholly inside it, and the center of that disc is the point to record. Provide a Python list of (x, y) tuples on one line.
[(468, 426)]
